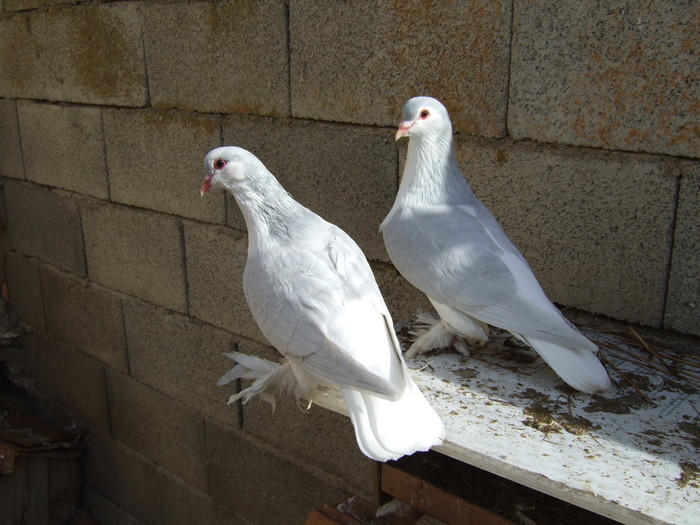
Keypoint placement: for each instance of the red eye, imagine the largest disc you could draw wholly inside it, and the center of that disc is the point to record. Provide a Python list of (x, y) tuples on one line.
[(424, 114), (219, 163)]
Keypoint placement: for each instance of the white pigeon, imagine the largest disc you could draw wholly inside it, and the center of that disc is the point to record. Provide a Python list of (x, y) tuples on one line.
[(445, 242), (313, 295)]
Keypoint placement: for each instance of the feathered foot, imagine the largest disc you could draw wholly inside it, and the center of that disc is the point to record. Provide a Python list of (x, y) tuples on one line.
[(434, 334), (394, 507), (269, 379)]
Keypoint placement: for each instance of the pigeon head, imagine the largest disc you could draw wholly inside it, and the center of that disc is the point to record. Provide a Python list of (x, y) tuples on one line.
[(228, 166), (424, 116)]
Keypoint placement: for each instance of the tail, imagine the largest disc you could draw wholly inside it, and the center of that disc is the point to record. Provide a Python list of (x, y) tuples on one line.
[(579, 367), (388, 429), (269, 378)]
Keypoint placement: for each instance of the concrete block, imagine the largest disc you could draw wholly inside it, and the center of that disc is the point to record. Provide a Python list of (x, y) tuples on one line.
[(136, 252), (173, 436), (123, 476), (155, 161), (105, 511), (227, 57), (23, 5), (622, 77), (73, 379), (331, 446), (359, 62), (260, 484), (91, 53), (596, 227), (180, 357), (216, 258), (85, 316), (346, 174), (45, 224), (683, 301), (24, 284), (72, 155), (185, 505), (10, 147)]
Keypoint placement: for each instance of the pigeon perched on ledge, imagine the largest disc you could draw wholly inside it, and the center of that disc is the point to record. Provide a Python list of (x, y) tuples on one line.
[(445, 242), (313, 295)]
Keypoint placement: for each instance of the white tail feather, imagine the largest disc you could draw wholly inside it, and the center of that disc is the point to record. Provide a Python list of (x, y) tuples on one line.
[(384, 429), (387, 430), (580, 368)]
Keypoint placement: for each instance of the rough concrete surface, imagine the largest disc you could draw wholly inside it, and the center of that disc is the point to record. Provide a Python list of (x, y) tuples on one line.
[(130, 480), (105, 511), (185, 505), (331, 445), (20, 5), (346, 174), (45, 224), (180, 357), (85, 316), (173, 436), (72, 155), (596, 228), (155, 161), (89, 53), (359, 62), (683, 302), (235, 50), (10, 147), (24, 285), (261, 484), (71, 378), (215, 261), (623, 76), (136, 252)]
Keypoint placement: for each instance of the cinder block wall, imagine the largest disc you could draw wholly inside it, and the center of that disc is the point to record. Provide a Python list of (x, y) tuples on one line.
[(577, 123)]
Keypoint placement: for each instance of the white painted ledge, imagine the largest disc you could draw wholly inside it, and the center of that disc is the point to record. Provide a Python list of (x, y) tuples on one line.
[(626, 466)]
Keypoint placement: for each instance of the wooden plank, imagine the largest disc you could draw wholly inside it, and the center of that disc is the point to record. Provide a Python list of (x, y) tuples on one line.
[(319, 518), (434, 501), (38, 490), (63, 488)]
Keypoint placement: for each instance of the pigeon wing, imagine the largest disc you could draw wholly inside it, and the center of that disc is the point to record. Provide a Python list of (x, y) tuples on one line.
[(459, 256), (316, 301), (448, 255)]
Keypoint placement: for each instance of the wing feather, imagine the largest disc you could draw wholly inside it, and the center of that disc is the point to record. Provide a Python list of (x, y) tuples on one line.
[(329, 316)]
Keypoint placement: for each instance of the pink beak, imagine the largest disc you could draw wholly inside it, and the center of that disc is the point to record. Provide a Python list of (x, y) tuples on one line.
[(206, 185), (404, 127)]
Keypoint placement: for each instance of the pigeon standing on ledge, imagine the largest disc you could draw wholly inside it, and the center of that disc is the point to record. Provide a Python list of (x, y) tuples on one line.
[(446, 243), (313, 295)]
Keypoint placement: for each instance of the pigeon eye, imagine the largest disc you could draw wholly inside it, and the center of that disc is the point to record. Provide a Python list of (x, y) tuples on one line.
[(424, 114), (219, 163)]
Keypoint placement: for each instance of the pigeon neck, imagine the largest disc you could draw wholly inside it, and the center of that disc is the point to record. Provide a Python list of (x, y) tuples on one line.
[(429, 173), (268, 211)]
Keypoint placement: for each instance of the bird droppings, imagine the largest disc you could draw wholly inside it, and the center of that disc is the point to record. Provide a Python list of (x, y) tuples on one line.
[(540, 418), (616, 405), (531, 393), (693, 429), (678, 386), (690, 475), (465, 373)]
